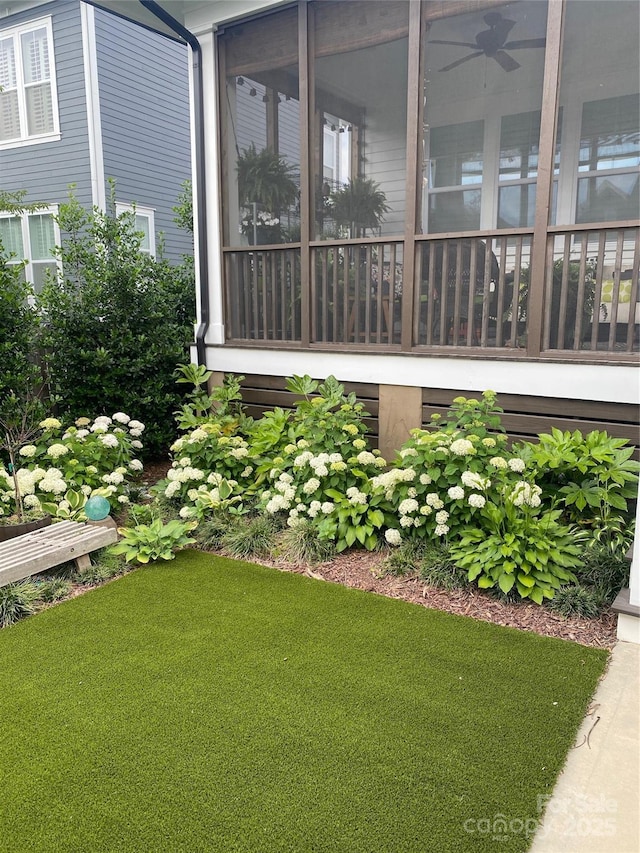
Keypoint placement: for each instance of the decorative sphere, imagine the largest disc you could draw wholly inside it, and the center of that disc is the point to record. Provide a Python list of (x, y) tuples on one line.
[(97, 508)]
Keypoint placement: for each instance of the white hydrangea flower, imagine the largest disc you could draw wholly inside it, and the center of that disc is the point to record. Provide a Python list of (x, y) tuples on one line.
[(98, 428), (136, 425), (121, 418), (408, 451), (314, 508), (172, 489), (498, 462), (356, 497), (425, 479), (456, 493), (86, 489), (475, 481), (516, 464), (185, 512), (425, 510), (407, 506), (327, 507), (302, 443), (477, 500), (406, 521), (412, 493), (285, 477), (393, 536), (109, 440), (525, 494), (136, 465), (366, 458), (441, 530), (28, 450), (302, 459), (311, 486), (50, 423), (462, 447), (123, 499), (442, 516), (31, 502), (247, 472), (433, 500)]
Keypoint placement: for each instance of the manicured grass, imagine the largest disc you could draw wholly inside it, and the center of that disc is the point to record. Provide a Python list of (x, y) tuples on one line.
[(212, 705)]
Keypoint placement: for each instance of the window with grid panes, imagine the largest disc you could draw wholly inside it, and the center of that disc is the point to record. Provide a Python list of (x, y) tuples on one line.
[(28, 102), (29, 240)]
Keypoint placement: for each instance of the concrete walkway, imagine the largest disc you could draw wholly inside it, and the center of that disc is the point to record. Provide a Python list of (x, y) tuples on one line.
[(596, 802)]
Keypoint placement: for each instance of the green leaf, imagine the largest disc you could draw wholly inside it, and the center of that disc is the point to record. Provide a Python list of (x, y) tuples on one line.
[(350, 536), (506, 582)]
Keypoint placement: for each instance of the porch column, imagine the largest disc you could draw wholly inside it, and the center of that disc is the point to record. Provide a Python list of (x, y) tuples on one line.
[(400, 411), (627, 603)]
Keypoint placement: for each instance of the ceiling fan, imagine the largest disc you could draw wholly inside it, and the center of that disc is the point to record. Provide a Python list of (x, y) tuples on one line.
[(493, 43)]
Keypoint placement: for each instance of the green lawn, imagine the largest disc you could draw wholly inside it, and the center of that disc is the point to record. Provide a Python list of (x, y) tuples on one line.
[(212, 705)]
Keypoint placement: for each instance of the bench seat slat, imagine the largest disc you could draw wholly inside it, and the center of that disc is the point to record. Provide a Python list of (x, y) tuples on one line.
[(50, 546)]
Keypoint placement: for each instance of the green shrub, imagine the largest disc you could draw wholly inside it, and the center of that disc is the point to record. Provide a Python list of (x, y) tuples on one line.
[(591, 477), (210, 532), (250, 537), (53, 589), (405, 559), (438, 568), (122, 353), (17, 600), (576, 600), (606, 572), (301, 544), (146, 543)]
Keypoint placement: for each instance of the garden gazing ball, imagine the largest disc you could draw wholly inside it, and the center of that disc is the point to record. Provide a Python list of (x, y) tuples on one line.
[(97, 508)]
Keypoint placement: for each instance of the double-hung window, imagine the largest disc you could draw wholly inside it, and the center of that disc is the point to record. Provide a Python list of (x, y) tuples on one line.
[(144, 224), (28, 99), (29, 241)]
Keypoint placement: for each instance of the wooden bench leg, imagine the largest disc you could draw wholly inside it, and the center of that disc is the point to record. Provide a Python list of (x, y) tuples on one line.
[(83, 563)]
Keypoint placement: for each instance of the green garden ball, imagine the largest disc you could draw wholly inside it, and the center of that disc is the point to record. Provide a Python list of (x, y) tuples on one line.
[(97, 508)]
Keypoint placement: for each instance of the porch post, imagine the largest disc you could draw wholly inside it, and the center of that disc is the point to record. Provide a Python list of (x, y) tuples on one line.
[(544, 187), (305, 85)]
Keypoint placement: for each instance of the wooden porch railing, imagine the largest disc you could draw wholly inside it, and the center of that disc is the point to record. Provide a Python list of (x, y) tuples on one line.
[(471, 292), (262, 289), (356, 289), (591, 298)]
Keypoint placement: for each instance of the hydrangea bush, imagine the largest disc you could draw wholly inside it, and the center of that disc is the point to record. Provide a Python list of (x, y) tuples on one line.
[(96, 457)]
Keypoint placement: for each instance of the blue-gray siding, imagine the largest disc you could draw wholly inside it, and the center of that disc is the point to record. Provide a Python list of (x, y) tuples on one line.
[(47, 169), (144, 108)]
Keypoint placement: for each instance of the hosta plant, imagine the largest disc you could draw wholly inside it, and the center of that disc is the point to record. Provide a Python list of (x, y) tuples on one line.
[(155, 541)]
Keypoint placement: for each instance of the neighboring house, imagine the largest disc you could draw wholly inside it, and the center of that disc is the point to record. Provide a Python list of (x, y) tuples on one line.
[(86, 97), (505, 139)]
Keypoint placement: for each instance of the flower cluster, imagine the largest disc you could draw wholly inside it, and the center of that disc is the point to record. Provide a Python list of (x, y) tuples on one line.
[(89, 457)]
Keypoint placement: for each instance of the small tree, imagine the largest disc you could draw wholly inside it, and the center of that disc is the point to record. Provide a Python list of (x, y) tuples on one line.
[(116, 323)]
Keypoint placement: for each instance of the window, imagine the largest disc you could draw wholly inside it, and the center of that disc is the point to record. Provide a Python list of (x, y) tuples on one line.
[(144, 223), (31, 239), (608, 173), (28, 100)]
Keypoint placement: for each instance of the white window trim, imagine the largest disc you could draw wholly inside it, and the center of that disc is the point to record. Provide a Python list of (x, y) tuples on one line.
[(26, 239), (149, 213), (52, 135)]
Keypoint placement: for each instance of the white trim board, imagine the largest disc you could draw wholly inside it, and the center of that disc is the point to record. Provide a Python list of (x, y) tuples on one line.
[(606, 383)]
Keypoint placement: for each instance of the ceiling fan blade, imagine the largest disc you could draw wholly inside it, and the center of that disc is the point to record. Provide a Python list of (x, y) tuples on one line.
[(505, 61), (456, 43), (520, 43), (460, 61)]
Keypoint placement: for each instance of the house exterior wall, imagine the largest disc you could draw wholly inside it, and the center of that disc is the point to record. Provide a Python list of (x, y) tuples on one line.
[(144, 112), (45, 170), (124, 114)]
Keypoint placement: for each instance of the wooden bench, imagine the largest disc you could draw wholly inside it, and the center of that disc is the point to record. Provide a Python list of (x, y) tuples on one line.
[(47, 547)]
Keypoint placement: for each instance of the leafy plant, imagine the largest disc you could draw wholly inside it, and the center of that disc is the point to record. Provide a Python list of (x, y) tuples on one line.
[(53, 589), (606, 572), (592, 477), (518, 549), (156, 541), (438, 568), (265, 178), (19, 423), (17, 600), (358, 205), (252, 537), (301, 544), (576, 600), (116, 323), (223, 405)]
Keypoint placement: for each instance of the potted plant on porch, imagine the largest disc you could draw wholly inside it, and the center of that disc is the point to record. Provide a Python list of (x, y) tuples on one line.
[(266, 189)]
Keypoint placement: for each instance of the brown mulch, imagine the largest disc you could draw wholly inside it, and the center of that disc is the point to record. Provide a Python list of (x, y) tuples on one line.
[(363, 570)]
